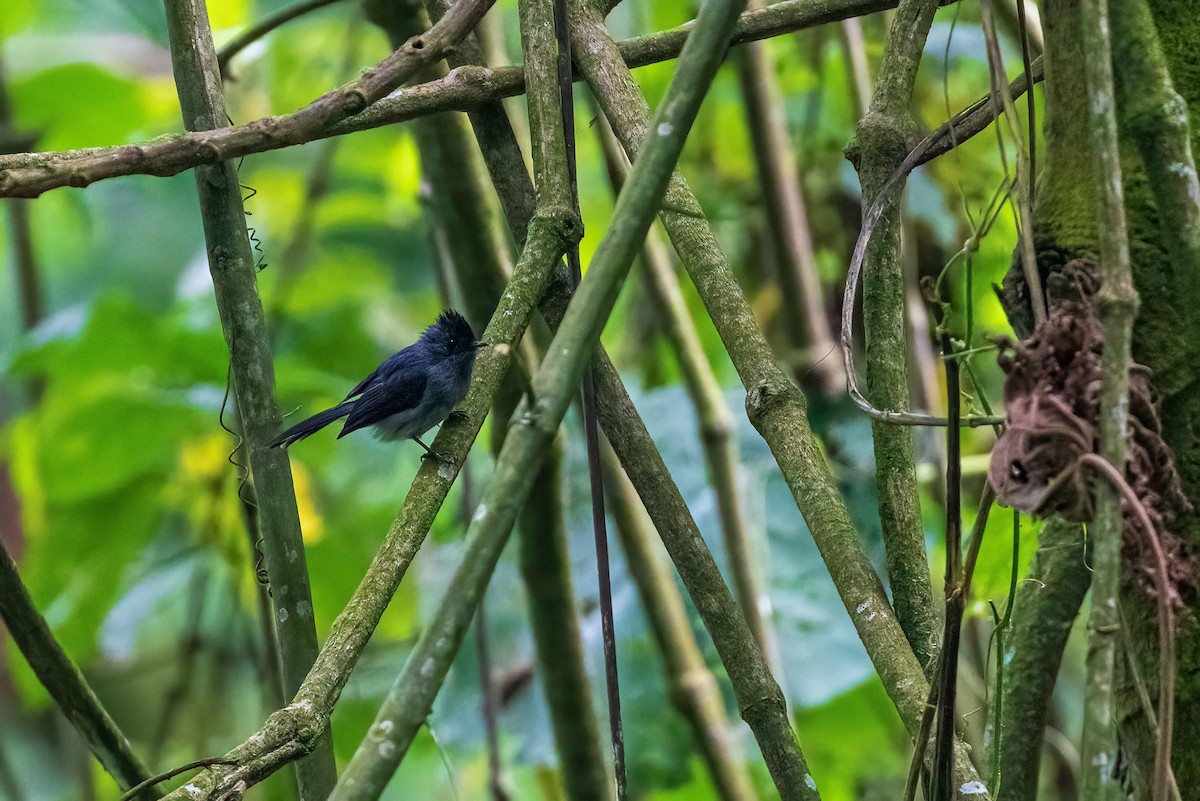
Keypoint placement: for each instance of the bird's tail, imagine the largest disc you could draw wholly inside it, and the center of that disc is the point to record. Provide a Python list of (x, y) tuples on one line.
[(312, 425)]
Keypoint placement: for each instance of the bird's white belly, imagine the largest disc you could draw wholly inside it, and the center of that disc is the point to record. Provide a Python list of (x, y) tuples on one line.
[(410, 422)]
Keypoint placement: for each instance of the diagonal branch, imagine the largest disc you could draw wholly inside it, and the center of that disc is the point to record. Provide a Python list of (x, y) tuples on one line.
[(878, 148), (64, 681)]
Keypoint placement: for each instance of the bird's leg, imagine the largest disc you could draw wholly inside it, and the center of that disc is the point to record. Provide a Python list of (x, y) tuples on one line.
[(430, 453)]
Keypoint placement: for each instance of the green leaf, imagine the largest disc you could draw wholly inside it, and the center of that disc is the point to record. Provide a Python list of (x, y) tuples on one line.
[(78, 105)]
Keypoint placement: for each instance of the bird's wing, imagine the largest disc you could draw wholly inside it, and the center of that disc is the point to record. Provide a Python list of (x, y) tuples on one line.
[(362, 385), (383, 399), (381, 370)]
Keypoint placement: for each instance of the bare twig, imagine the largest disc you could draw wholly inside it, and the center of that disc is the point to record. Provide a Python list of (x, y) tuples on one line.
[(263, 27), (170, 774)]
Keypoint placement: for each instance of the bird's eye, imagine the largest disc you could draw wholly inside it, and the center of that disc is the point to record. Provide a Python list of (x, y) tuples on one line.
[(1017, 471)]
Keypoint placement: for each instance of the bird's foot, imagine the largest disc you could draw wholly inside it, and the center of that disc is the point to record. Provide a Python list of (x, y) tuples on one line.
[(438, 457), (458, 415)]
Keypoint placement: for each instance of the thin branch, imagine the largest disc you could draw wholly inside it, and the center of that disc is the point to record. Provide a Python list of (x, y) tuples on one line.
[(171, 774), (411, 697), (562, 35), (232, 265), (1117, 301), (263, 27), (774, 404), (358, 107), (955, 584), (64, 681)]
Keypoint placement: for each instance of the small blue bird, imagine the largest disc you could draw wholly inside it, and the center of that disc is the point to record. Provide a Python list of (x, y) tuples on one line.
[(410, 392)]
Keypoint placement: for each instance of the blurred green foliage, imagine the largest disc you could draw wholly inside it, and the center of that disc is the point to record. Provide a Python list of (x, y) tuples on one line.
[(132, 537)]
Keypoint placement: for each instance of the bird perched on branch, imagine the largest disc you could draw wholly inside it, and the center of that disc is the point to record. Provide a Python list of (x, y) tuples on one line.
[(409, 393)]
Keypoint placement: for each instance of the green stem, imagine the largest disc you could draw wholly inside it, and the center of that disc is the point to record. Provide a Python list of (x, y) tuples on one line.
[(231, 263)]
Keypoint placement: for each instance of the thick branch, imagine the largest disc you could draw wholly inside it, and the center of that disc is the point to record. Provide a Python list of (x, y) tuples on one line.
[(231, 263)]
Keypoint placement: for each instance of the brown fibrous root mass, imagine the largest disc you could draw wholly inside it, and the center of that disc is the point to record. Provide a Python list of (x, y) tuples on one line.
[(1052, 395)]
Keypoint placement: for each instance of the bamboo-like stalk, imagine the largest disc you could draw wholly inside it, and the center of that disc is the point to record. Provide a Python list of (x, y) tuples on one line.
[(546, 569), (30, 174), (787, 216), (774, 404), (690, 686), (879, 148), (65, 683), (712, 412), (231, 263), (1117, 303), (553, 387)]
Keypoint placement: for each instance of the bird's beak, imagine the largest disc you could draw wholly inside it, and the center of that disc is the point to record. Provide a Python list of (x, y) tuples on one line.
[(479, 343)]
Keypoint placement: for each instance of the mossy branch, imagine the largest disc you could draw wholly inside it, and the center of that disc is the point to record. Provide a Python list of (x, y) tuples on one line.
[(774, 404), (1047, 603), (232, 265), (879, 148)]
